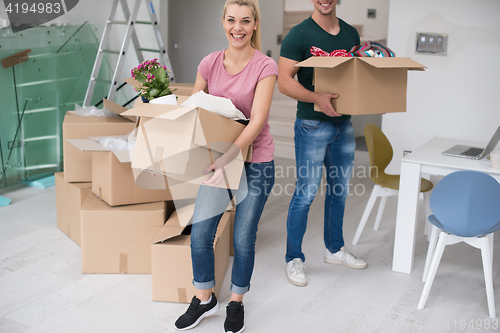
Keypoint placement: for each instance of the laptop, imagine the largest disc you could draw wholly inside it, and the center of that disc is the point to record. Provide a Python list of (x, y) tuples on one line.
[(474, 153)]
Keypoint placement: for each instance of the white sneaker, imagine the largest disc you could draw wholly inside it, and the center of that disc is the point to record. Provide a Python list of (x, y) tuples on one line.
[(296, 272), (344, 257)]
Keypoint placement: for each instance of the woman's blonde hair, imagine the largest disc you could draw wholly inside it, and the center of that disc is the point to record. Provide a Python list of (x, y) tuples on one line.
[(254, 6)]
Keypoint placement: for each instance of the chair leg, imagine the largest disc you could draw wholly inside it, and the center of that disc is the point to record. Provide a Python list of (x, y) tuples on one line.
[(433, 269), (488, 274), (366, 213), (428, 212), (491, 242), (381, 207), (430, 251)]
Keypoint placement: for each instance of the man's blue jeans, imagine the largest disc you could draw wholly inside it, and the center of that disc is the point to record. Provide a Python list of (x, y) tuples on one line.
[(251, 197), (320, 143)]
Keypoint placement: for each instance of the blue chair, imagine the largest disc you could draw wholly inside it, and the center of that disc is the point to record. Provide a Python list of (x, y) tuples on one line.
[(466, 207)]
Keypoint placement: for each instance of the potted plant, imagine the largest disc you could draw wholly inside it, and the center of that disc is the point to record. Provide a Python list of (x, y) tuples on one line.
[(154, 79)]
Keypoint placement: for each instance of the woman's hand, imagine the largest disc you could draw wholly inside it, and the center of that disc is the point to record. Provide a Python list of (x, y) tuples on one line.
[(219, 165)]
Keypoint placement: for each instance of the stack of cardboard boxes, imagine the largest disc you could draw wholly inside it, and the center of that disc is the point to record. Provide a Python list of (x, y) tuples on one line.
[(124, 228)]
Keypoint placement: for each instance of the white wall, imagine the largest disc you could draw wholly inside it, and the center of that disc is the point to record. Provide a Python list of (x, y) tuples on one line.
[(458, 96), (354, 12), (196, 27)]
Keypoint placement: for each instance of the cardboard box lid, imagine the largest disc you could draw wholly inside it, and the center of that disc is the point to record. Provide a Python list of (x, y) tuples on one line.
[(133, 82), (395, 62), (158, 139), (175, 224), (113, 107), (378, 62), (91, 144), (160, 111), (116, 108), (323, 62), (110, 106), (72, 118)]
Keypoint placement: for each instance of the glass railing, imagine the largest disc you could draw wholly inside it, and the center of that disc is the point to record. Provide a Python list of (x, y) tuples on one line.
[(36, 93)]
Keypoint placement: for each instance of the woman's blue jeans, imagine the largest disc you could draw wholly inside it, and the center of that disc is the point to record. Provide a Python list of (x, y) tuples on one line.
[(251, 197), (319, 143)]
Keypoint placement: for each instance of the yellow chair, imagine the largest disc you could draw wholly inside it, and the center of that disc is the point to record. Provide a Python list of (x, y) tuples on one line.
[(380, 151)]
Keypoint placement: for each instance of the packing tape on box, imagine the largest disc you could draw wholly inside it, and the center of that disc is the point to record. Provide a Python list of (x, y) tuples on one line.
[(182, 295), (123, 263)]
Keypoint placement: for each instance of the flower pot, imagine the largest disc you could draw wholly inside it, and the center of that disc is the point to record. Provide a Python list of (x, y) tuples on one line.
[(168, 100)]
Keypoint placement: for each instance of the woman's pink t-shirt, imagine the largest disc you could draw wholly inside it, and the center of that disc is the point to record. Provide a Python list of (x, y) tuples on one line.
[(240, 89)]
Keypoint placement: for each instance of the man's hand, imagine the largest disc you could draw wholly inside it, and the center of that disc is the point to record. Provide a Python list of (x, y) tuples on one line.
[(324, 100)]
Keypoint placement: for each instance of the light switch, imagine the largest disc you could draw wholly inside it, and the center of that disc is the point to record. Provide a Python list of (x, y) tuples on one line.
[(433, 43)]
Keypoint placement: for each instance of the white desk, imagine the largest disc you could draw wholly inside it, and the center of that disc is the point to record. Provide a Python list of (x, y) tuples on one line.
[(427, 160)]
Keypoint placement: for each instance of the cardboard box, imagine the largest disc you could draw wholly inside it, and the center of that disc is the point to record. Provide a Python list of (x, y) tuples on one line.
[(118, 239), (69, 200), (114, 182), (77, 164), (180, 142), (171, 270), (364, 85), (112, 177), (183, 89)]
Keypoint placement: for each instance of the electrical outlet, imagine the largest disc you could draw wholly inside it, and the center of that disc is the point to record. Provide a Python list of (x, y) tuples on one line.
[(430, 42), (279, 39), (372, 13)]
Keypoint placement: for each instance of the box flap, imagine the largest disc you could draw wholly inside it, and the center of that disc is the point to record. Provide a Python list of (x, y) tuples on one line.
[(158, 111), (133, 82), (92, 144), (87, 145), (123, 156), (396, 62), (323, 62), (159, 139), (113, 107), (175, 224), (208, 130), (174, 114)]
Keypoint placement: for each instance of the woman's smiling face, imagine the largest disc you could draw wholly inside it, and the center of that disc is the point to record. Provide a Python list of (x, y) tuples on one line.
[(239, 24)]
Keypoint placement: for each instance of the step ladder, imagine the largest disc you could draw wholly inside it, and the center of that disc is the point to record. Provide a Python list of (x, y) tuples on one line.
[(129, 35)]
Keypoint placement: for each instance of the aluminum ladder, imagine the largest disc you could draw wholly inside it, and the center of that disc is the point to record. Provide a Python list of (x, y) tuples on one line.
[(129, 35)]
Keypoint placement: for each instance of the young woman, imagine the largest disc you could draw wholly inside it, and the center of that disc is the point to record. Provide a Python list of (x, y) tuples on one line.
[(247, 77)]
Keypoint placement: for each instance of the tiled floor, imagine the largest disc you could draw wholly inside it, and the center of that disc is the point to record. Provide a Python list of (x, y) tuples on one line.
[(42, 288)]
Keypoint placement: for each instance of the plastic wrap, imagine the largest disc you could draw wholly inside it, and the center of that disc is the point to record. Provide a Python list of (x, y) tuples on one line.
[(219, 105), (93, 111)]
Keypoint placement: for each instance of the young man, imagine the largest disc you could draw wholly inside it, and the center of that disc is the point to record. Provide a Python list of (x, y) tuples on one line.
[(321, 138)]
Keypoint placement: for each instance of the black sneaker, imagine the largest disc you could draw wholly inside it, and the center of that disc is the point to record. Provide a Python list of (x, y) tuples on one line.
[(235, 318), (196, 312)]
